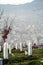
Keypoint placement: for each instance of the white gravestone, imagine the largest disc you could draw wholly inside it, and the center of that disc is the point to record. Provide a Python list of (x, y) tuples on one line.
[(16, 46), (20, 46), (5, 51), (0, 48), (26, 52), (9, 49), (29, 48)]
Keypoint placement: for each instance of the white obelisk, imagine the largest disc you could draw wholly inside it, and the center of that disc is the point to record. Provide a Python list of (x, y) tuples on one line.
[(0, 48), (20, 46), (5, 51), (16, 46), (9, 49), (30, 48)]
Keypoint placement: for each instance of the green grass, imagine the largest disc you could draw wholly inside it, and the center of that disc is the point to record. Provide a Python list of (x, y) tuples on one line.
[(1, 54), (21, 59), (38, 53), (26, 63)]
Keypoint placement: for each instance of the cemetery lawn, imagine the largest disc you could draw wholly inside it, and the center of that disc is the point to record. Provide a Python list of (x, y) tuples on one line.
[(19, 58)]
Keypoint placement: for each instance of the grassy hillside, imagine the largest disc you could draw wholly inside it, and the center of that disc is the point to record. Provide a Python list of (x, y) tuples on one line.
[(20, 58)]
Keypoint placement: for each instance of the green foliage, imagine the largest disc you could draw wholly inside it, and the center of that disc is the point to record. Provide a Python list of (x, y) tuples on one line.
[(1, 54), (21, 59), (35, 63), (17, 51), (38, 53)]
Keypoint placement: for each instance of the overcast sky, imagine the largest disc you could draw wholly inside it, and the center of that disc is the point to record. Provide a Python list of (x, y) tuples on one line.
[(15, 2)]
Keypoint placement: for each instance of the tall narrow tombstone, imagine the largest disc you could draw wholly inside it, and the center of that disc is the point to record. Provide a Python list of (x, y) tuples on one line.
[(7, 45), (16, 46), (25, 52), (5, 51), (9, 49), (0, 48), (20, 46), (30, 48)]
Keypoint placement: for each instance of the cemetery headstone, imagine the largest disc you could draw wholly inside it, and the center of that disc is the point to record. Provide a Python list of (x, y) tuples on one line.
[(25, 52), (0, 48), (30, 48), (16, 46), (5, 51), (9, 49), (20, 46)]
